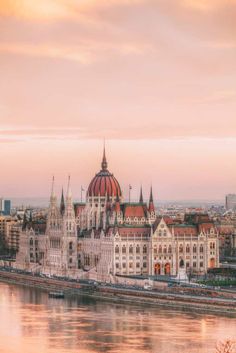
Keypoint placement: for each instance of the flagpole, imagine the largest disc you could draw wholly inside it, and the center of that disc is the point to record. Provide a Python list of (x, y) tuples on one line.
[(129, 191), (81, 191)]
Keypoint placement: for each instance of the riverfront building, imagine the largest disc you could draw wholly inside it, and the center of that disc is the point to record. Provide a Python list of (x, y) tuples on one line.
[(106, 236)]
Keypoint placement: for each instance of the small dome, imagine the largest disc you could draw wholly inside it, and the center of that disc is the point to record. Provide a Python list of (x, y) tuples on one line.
[(104, 183)]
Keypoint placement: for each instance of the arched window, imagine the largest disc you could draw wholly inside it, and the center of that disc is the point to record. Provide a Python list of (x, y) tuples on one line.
[(117, 250), (123, 249), (201, 248), (155, 249), (145, 249), (169, 249), (187, 248), (165, 249), (181, 249), (160, 249), (31, 242), (194, 248), (70, 245), (131, 249), (137, 249), (164, 233), (213, 245)]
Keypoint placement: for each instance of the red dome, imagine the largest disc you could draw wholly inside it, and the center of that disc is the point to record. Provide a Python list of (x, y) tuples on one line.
[(104, 183)]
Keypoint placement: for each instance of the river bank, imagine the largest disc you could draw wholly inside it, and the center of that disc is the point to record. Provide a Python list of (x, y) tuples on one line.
[(224, 304)]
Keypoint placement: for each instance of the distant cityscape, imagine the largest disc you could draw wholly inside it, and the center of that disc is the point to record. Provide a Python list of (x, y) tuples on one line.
[(140, 238)]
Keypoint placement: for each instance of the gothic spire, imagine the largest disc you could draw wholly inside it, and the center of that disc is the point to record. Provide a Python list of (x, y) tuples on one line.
[(62, 205), (141, 195), (104, 160), (69, 193), (151, 197), (53, 198), (52, 190), (151, 204)]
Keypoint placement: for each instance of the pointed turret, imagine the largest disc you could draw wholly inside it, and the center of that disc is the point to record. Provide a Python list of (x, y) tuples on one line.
[(151, 207), (68, 193), (141, 195), (69, 214), (62, 204), (104, 159), (53, 198)]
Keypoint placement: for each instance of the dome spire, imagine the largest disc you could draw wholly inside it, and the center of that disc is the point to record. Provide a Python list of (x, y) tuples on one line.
[(104, 160), (141, 195)]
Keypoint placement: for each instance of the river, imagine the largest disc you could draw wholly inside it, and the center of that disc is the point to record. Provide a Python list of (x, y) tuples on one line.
[(30, 322)]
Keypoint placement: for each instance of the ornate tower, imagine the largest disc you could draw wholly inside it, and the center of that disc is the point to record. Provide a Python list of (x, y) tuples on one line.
[(69, 238)]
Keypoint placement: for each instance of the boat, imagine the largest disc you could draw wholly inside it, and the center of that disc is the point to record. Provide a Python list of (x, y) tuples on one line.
[(56, 294)]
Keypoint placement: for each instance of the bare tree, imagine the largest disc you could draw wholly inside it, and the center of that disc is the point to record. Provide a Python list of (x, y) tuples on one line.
[(227, 346)]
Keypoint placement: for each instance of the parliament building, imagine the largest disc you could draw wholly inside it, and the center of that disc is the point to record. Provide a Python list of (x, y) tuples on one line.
[(107, 236)]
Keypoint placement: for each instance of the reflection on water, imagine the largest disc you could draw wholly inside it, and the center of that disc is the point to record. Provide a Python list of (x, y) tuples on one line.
[(31, 322)]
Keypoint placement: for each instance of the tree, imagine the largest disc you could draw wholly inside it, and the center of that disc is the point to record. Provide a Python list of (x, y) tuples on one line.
[(227, 346)]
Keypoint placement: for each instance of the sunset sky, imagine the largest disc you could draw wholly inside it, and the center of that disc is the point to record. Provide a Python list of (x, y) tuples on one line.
[(155, 78)]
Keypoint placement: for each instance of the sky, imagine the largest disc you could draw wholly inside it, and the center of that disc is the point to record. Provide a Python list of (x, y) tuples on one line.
[(155, 78)]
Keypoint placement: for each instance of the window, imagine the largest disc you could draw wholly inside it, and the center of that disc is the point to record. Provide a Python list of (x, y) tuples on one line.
[(117, 265), (155, 250), (70, 245), (145, 249), (130, 265), (138, 265), (181, 249), (187, 248), (123, 249), (31, 242), (194, 248), (201, 248), (70, 261), (169, 249), (131, 249), (124, 265), (137, 249), (160, 249), (144, 265), (194, 264), (165, 249), (117, 250), (201, 264)]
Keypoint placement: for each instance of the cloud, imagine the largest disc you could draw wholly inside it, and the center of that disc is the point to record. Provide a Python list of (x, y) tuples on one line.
[(80, 54), (207, 5), (157, 132), (56, 9)]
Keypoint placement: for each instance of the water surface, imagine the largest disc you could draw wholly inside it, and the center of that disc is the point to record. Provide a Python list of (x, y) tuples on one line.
[(30, 322)]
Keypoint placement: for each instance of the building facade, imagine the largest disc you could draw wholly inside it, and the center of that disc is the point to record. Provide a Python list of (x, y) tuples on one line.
[(106, 236)]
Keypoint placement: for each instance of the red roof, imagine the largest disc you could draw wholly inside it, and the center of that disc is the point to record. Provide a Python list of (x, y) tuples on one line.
[(133, 211), (206, 227), (185, 230), (133, 231)]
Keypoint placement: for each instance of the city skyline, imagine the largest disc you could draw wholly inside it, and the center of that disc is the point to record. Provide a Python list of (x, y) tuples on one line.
[(162, 93)]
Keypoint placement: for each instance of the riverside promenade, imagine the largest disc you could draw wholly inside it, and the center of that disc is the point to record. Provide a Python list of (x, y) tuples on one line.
[(177, 297)]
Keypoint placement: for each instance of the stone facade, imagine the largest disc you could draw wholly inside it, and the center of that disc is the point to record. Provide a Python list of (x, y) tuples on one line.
[(106, 236)]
